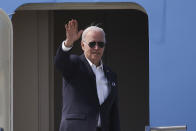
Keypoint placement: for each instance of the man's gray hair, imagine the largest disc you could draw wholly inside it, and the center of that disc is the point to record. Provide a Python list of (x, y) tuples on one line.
[(93, 28)]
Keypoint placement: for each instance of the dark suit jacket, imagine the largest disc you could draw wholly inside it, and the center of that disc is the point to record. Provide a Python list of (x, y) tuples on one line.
[(80, 101)]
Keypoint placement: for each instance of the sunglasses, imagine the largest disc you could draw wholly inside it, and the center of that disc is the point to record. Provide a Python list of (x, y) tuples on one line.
[(99, 44)]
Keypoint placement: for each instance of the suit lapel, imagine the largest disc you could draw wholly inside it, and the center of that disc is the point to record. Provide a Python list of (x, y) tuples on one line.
[(91, 75), (110, 84), (108, 75), (89, 69)]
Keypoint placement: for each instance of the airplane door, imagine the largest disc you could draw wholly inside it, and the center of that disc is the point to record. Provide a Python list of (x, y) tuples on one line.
[(6, 40)]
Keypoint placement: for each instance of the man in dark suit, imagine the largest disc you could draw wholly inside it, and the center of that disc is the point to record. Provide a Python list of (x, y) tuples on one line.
[(89, 87)]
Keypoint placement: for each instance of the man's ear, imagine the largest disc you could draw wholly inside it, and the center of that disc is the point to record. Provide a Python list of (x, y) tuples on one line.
[(82, 45)]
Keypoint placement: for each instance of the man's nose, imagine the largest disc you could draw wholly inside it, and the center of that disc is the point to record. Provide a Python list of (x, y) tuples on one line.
[(96, 47)]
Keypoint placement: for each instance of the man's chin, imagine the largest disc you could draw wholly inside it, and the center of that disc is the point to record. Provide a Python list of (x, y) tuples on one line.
[(96, 58)]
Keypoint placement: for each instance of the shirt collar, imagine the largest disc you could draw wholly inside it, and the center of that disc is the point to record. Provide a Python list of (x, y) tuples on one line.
[(93, 65)]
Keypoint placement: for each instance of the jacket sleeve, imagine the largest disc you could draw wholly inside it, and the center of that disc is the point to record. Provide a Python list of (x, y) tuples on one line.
[(65, 62)]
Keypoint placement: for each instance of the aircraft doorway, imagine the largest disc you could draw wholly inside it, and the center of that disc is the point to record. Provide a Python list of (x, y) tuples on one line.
[(126, 53), (37, 85)]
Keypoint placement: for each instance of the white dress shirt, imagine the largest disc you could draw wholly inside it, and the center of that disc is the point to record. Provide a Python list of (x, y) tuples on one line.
[(101, 81)]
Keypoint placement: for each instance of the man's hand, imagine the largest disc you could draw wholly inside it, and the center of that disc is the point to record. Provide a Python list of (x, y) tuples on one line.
[(72, 33)]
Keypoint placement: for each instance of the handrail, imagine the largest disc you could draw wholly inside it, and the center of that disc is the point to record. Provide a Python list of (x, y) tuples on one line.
[(170, 128)]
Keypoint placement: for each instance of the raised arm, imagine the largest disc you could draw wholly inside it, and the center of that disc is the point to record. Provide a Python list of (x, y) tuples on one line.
[(64, 61)]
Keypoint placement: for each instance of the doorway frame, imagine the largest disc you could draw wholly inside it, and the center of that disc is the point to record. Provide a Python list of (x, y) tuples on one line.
[(82, 6), (66, 6)]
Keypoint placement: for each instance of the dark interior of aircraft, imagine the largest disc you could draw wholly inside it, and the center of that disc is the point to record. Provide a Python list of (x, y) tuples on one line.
[(127, 53)]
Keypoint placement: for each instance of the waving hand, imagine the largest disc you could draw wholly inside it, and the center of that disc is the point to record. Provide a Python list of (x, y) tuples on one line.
[(72, 33)]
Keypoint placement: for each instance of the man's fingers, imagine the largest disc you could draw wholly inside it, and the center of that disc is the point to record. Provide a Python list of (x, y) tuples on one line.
[(79, 33), (72, 32), (76, 24), (66, 26), (71, 24)]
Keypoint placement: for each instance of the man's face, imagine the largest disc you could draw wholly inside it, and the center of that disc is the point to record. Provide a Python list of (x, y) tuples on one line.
[(93, 54)]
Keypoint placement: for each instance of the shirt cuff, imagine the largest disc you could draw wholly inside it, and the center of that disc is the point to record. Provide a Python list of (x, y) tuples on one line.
[(64, 48)]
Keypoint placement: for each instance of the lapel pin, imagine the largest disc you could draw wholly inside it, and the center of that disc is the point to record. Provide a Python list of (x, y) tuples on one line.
[(113, 84)]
